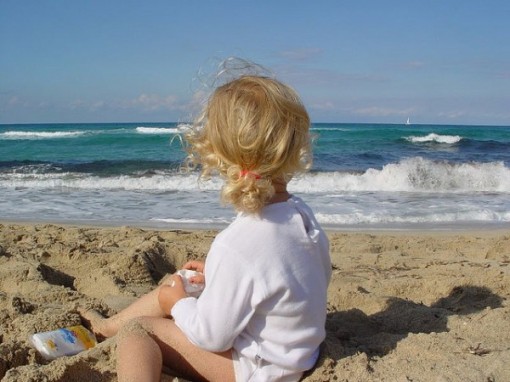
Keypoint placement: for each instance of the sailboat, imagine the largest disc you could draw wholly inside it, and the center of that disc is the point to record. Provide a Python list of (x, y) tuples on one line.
[(408, 122)]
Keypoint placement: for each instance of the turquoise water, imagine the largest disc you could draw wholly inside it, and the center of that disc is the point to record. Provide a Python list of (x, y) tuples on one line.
[(368, 176)]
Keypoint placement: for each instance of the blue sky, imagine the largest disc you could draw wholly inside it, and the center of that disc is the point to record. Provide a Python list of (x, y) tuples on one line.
[(436, 61)]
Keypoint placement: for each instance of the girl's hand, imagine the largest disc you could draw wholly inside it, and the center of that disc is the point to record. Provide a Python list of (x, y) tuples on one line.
[(171, 291), (195, 265), (198, 266)]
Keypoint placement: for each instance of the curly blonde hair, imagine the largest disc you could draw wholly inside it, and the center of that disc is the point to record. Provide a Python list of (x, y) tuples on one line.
[(253, 131)]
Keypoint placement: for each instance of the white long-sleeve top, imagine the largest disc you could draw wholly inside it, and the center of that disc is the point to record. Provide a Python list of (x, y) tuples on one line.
[(266, 284)]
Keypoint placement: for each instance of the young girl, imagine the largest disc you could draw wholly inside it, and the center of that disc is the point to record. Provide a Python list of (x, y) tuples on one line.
[(261, 315)]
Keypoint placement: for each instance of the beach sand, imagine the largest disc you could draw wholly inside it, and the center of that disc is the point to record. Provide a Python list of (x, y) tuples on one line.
[(403, 306)]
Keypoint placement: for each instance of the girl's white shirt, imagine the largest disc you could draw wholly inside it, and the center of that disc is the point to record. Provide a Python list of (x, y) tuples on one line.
[(266, 289)]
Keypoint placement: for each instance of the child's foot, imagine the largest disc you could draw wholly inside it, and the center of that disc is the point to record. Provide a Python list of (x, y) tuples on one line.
[(94, 321)]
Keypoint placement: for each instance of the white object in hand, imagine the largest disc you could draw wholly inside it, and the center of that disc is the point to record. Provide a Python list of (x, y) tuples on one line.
[(192, 289)]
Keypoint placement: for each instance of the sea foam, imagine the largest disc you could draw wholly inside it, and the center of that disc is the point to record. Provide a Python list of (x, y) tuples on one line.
[(78, 181), (356, 218), (157, 130), (437, 138), (413, 175), (410, 175), (40, 134)]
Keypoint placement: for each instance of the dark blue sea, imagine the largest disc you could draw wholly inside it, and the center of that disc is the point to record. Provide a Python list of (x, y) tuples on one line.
[(365, 176)]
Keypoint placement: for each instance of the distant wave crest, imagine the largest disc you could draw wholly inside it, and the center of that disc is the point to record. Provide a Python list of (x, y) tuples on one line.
[(40, 134), (157, 130), (314, 128), (437, 138)]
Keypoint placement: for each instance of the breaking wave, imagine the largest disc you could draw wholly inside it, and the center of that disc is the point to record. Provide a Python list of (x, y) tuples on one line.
[(410, 175), (41, 134), (437, 138)]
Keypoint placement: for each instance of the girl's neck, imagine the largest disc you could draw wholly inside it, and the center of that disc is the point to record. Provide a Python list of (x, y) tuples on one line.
[(280, 193)]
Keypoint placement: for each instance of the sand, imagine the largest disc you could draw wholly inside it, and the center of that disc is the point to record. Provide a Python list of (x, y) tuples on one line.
[(403, 306)]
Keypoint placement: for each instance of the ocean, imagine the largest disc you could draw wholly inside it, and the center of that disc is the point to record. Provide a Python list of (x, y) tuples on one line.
[(365, 176)]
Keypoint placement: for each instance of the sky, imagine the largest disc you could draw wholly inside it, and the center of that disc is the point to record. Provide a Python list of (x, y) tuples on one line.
[(357, 61)]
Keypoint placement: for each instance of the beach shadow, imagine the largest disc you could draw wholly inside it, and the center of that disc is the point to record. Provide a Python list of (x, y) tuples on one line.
[(70, 370), (379, 333), (55, 277), (82, 370)]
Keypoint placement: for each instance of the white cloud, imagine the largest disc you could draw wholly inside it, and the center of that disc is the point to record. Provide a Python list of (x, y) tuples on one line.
[(378, 111), (330, 78), (77, 104), (414, 64), (145, 102), (13, 102), (97, 105), (152, 102), (323, 106), (452, 114)]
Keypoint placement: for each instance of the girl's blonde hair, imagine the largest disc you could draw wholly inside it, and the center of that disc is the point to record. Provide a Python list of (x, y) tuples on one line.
[(254, 130)]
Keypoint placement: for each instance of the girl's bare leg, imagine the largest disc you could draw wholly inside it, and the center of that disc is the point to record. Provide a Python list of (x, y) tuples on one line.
[(138, 355), (147, 305), (146, 343)]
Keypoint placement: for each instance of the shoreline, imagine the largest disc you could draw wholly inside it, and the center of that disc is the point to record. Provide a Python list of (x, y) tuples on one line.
[(402, 305), (165, 226)]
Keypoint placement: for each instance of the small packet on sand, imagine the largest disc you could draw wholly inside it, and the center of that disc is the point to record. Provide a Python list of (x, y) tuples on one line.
[(192, 289), (63, 342)]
